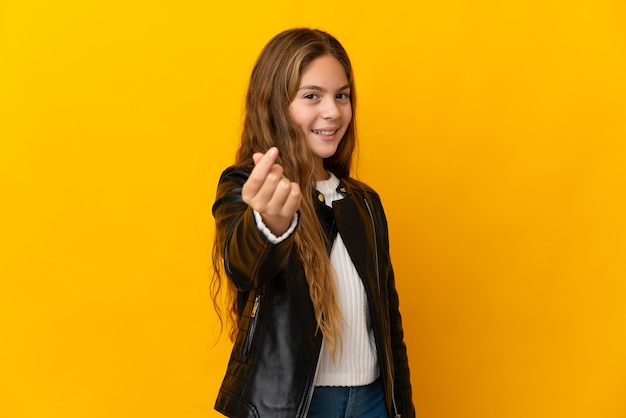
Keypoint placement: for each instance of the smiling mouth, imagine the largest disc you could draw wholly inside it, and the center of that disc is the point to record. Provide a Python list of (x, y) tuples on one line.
[(325, 133)]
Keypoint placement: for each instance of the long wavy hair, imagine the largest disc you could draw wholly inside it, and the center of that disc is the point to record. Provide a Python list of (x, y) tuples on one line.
[(273, 85)]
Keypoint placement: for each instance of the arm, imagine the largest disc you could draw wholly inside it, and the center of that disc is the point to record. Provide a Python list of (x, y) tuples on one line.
[(250, 258), (402, 377)]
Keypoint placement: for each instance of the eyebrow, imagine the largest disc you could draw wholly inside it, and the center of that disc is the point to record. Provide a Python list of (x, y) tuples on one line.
[(318, 88)]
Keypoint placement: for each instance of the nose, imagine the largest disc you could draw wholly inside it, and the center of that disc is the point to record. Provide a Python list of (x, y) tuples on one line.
[(330, 109)]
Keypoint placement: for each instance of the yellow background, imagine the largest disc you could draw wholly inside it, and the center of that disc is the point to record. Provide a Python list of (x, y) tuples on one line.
[(494, 131)]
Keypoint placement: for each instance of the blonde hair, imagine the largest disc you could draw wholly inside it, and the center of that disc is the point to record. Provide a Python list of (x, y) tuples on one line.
[(273, 85)]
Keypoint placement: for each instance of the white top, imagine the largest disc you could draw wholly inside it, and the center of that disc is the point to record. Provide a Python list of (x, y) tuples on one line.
[(355, 363)]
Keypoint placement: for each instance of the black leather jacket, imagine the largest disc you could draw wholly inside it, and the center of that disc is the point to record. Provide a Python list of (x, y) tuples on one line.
[(274, 358)]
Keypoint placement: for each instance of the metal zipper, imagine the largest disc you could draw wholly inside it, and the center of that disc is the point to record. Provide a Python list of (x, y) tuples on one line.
[(393, 390), (255, 307), (253, 321)]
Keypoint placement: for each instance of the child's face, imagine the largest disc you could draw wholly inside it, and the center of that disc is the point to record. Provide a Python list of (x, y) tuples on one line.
[(322, 108)]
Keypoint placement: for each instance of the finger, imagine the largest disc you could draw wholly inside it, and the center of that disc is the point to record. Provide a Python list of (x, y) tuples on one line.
[(285, 209), (260, 195), (278, 198), (267, 159), (292, 203), (279, 216), (263, 165), (286, 201)]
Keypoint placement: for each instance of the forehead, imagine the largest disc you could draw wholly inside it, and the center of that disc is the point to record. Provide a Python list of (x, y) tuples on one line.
[(325, 71)]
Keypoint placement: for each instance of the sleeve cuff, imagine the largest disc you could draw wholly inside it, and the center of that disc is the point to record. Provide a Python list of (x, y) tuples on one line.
[(268, 234)]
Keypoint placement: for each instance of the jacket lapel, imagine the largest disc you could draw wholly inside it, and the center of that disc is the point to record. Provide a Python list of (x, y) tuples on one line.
[(356, 228)]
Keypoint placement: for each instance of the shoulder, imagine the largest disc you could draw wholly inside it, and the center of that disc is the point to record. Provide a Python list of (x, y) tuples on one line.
[(229, 186), (233, 178), (357, 186), (366, 196), (235, 173)]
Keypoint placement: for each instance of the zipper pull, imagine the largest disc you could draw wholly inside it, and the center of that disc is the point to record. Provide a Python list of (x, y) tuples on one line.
[(255, 307)]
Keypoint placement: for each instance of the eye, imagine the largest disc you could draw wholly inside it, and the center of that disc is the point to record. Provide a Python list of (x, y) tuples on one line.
[(343, 96), (310, 96)]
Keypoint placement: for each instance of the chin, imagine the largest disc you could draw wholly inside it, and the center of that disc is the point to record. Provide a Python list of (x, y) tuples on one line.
[(326, 154)]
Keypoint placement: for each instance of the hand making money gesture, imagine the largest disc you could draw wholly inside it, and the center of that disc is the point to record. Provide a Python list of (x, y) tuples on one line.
[(270, 193)]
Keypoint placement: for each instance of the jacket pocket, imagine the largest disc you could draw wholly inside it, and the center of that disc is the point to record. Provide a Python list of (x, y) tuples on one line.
[(254, 319)]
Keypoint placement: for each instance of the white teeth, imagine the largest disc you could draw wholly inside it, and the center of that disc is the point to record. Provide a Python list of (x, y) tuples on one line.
[(325, 133)]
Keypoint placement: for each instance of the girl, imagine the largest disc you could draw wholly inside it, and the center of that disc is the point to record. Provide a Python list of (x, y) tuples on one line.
[(303, 250)]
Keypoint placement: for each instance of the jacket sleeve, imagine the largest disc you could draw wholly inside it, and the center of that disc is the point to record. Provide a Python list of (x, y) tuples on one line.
[(250, 259), (402, 377)]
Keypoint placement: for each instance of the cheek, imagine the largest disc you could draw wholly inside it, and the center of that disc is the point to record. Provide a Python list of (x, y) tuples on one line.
[(300, 117), (348, 115), (292, 114)]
